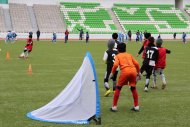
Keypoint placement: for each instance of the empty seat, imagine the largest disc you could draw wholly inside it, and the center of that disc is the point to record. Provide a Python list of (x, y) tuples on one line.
[(20, 17), (153, 18), (2, 21), (48, 18), (87, 16)]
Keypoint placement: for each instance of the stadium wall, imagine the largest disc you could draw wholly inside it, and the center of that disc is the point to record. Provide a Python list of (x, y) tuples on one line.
[(105, 3), (109, 3), (6, 6), (60, 36), (31, 2)]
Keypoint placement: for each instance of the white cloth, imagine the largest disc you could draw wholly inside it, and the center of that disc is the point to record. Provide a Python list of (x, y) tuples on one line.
[(77, 102)]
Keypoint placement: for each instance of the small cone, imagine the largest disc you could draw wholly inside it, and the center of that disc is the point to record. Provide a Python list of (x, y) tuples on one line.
[(7, 56), (30, 69)]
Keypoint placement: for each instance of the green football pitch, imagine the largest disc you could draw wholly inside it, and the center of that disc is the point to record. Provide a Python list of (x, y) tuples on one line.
[(54, 65)]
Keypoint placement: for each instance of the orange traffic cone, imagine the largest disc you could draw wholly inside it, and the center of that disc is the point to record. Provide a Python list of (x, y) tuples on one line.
[(7, 56), (30, 69)]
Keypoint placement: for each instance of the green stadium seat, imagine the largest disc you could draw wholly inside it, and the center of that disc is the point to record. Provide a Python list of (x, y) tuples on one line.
[(88, 16), (153, 18)]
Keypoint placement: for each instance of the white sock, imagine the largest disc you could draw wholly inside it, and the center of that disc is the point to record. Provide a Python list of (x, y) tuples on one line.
[(163, 78), (147, 82), (136, 107), (22, 54), (154, 81), (26, 54), (106, 85)]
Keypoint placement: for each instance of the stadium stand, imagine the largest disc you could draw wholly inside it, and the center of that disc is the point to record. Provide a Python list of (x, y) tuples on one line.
[(7, 18), (155, 18), (20, 17), (87, 16), (187, 9), (2, 21), (94, 16), (32, 18), (48, 18)]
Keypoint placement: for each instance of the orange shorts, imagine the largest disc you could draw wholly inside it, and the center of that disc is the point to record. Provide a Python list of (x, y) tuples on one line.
[(127, 78)]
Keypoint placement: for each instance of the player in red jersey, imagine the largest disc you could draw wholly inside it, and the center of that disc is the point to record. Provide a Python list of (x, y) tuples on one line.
[(145, 43), (161, 63), (66, 35), (27, 48)]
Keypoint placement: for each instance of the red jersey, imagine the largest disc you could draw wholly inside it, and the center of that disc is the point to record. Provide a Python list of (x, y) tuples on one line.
[(161, 62), (66, 32), (29, 44), (146, 41)]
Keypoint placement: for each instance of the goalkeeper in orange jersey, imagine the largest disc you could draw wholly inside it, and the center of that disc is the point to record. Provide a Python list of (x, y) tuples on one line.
[(129, 70)]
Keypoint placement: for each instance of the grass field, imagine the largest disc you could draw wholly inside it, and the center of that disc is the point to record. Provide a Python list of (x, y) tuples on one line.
[(53, 67)]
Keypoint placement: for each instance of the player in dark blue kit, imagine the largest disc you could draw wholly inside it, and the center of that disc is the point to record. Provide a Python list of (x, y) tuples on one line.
[(54, 39), (151, 57), (109, 60), (87, 37), (184, 37)]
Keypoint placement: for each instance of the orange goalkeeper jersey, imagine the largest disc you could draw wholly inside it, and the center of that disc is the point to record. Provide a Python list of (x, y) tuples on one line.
[(126, 62)]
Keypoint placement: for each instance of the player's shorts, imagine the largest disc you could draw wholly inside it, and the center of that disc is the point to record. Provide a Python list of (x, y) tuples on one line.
[(127, 78), (148, 69)]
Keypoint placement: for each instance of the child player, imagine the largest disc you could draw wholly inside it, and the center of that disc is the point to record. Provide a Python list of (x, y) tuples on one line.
[(87, 37), (145, 43), (9, 37), (116, 42), (129, 70), (28, 48), (54, 39), (109, 60), (151, 56), (161, 63), (184, 37)]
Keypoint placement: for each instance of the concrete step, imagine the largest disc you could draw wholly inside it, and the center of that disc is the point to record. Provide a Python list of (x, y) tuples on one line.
[(185, 14), (8, 23), (32, 18), (115, 20)]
